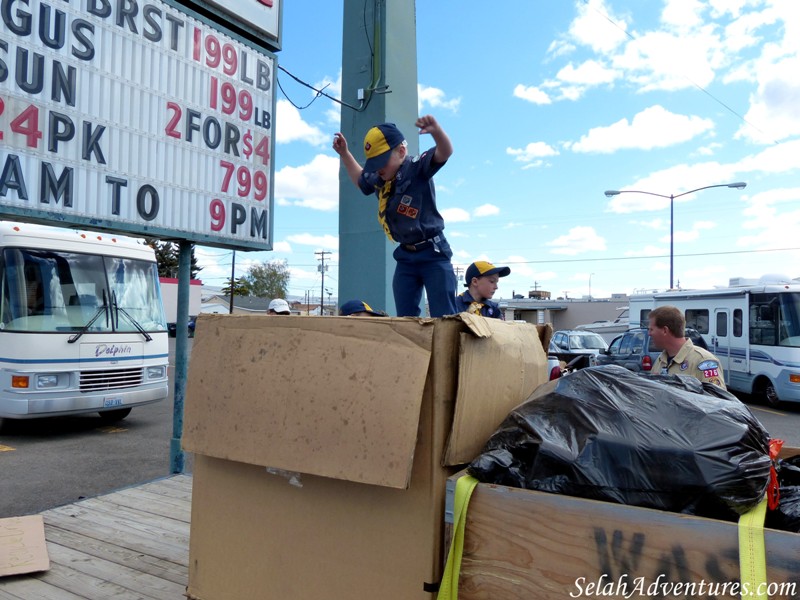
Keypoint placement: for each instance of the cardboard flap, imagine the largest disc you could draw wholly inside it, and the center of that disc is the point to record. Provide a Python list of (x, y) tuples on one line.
[(330, 396), (495, 373), (22, 545)]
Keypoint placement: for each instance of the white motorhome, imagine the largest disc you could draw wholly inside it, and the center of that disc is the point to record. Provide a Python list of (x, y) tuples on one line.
[(752, 326), (82, 325)]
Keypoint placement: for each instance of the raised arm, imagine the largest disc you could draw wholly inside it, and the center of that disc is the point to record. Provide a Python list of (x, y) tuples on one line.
[(348, 160), (444, 147)]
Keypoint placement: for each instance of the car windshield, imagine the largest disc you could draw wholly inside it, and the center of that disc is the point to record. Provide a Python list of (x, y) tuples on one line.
[(587, 341)]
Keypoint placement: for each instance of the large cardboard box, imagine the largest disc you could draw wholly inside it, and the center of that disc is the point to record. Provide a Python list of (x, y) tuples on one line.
[(323, 445)]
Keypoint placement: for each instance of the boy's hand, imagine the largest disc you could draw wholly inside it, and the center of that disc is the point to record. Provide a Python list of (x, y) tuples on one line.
[(339, 144), (444, 147), (427, 124)]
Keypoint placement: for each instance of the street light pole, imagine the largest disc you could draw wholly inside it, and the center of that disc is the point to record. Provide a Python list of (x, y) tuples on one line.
[(739, 185)]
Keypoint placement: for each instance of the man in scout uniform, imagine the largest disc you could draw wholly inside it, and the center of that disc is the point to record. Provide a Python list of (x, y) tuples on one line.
[(680, 355), (407, 211), (481, 281)]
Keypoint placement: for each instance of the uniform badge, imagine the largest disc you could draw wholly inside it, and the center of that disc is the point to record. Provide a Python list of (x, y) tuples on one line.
[(684, 365), (708, 364), (710, 369)]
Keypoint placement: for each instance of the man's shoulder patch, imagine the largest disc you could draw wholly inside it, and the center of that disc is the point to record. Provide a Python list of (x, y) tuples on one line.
[(708, 364)]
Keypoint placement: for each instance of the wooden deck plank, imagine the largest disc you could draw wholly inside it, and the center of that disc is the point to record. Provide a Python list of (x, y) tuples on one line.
[(177, 573), (75, 568), (132, 544)]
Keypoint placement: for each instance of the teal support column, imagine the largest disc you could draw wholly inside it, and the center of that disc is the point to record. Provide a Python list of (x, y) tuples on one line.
[(181, 355), (379, 64)]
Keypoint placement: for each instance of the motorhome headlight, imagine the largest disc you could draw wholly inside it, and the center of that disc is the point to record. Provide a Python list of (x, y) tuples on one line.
[(157, 372), (46, 381)]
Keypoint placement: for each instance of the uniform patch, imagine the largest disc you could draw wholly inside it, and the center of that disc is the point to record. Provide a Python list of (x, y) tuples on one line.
[(708, 364), (684, 365), (406, 200)]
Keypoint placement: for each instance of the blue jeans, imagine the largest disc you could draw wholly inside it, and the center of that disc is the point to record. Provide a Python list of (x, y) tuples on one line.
[(429, 268)]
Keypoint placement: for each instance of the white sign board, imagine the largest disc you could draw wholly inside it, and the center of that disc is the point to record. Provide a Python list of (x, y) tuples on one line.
[(262, 15), (137, 117)]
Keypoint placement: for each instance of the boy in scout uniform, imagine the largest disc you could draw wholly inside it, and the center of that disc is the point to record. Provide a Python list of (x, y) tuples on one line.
[(481, 281), (680, 355), (407, 211)]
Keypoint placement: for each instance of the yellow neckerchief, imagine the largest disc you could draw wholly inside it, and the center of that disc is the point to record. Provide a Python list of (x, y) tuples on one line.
[(384, 194), (475, 308)]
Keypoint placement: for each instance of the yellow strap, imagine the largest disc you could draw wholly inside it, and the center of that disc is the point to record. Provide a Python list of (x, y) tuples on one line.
[(752, 554), (448, 590)]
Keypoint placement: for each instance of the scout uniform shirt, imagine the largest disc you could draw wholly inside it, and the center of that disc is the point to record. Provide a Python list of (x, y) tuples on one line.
[(487, 308), (407, 204), (691, 360)]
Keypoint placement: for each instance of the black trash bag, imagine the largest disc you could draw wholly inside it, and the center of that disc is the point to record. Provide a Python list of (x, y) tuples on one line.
[(668, 442), (787, 516)]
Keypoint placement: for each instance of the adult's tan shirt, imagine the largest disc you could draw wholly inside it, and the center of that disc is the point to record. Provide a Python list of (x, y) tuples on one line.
[(691, 360)]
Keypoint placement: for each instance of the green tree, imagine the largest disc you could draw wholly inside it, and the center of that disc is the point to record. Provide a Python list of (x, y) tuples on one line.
[(269, 279), (240, 287), (167, 258)]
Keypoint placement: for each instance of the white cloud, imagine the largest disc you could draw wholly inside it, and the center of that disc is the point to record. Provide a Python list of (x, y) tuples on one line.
[(589, 72), (329, 242), (774, 112), (531, 94), (601, 34), (578, 240), (294, 129), (486, 210), (435, 98), (532, 151), (454, 215), (315, 185), (284, 247), (654, 127), (682, 13)]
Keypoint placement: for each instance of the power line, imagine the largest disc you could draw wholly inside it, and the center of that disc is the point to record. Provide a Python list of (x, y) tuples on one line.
[(647, 257)]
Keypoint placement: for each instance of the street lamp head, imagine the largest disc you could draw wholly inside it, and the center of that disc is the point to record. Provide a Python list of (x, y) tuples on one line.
[(610, 193), (739, 185)]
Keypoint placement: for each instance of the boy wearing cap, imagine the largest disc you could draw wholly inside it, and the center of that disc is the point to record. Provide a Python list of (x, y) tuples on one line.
[(359, 308), (481, 281), (407, 211)]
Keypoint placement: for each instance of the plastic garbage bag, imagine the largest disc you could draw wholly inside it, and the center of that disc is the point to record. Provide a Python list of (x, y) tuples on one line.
[(787, 516), (667, 442)]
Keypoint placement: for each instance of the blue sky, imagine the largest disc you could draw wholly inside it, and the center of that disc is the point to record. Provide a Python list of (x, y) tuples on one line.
[(549, 104)]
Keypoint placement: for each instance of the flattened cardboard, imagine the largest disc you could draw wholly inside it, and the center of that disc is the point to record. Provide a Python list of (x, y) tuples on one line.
[(22, 546), (500, 365), (335, 397)]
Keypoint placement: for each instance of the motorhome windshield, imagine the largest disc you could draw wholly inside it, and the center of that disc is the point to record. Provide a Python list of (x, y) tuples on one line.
[(51, 291), (775, 319)]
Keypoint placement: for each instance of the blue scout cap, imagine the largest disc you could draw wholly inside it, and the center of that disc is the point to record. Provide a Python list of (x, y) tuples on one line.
[(482, 268), (358, 306), (378, 145)]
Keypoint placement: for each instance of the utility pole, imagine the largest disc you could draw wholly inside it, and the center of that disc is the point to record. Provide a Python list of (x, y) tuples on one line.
[(322, 268)]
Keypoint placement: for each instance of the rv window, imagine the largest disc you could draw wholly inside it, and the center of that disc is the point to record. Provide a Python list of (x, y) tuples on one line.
[(697, 318), (722, 324), (644, 317), (737, 322)]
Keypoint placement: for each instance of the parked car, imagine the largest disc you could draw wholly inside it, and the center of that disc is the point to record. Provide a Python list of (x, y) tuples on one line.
[(575, 349), (635, 351), (172, 328), (576, 341)]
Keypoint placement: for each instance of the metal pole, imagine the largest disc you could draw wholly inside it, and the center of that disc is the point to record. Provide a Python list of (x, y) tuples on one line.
[(233, 270), (181, 355), (671, 238)]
